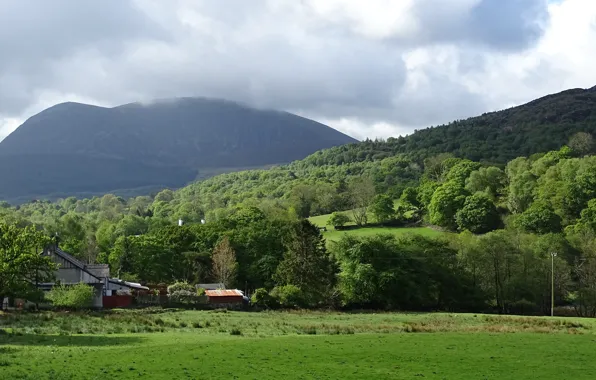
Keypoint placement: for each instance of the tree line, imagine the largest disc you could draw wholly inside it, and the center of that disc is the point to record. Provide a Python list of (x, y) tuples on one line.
[(505, 221)]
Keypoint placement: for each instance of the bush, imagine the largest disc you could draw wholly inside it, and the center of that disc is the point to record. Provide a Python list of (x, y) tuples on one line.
[(72, 297), (200, 292), (288, 296), (338, 219), (186, 296), (262, 298), (181, 286)]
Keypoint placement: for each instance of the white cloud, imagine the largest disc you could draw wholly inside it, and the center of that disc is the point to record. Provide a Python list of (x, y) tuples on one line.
[(370, 68)]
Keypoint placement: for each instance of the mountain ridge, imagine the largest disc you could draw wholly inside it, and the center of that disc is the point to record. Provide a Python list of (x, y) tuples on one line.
[(183, 134)]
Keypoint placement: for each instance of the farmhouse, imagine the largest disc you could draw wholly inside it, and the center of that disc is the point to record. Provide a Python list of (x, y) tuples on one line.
[(72, 271)]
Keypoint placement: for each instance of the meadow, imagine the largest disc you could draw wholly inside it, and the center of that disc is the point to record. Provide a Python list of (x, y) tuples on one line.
[(217, 344), (333, 235)]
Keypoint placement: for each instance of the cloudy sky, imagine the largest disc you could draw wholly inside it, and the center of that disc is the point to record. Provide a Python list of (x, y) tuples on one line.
[(373, 68)]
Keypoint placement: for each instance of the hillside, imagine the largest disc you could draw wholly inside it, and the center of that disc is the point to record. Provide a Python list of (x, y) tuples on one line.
[(76, 148), (539, 126)]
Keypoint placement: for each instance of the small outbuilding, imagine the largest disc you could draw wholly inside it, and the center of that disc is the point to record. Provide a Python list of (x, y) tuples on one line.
[(225, 296)]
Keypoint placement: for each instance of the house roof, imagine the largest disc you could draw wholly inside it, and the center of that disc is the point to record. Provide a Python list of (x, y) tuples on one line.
[(99, 271), (132, 285), (224, 293)]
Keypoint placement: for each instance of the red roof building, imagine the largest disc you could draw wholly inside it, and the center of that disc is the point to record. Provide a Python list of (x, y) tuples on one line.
[(221, 296)]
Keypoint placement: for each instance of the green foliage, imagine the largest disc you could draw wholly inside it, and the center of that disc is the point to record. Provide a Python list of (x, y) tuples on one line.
[(382, 208), (21, 264), (460, 172), (79, 296), (540, 218), (478, 215), (181, 286), (307, 265), (581, 143), (491, 181), (338, 219), (289, 296), (262, 298), (410, 197), (445, 203), (426, 192), (408, 273)]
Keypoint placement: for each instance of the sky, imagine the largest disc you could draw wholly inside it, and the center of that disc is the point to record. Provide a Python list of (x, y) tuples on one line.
[(374, 68)]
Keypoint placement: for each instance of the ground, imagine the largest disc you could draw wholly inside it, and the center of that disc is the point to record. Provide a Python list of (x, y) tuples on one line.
[(332, 235), (174, 344)]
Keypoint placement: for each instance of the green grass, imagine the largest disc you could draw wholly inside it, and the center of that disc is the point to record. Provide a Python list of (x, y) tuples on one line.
[(405, 356), (293, 345), (333, 235)]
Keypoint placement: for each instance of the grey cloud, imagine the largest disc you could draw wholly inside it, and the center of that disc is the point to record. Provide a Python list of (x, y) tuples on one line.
[(502, 25), (34, 34), (121, 51)]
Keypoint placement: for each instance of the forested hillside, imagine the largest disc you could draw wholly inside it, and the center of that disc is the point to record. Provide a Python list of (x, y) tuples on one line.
[(539, 126), (506, 223)]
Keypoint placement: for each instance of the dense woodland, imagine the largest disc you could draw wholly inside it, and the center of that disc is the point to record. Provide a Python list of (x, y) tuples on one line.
[(505, 223)]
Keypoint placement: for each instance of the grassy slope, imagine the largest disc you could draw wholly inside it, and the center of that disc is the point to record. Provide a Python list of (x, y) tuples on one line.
[(297, 346), (332, 235)]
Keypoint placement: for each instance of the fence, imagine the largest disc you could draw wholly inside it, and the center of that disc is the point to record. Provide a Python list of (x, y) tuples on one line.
[(111, 302)]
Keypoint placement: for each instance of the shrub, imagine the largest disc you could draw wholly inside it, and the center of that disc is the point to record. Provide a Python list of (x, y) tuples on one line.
[(262, 298), (235, 331), (186, 296), (181, 286), (338, 219), (288, 296), (72, 297), (200, 291)]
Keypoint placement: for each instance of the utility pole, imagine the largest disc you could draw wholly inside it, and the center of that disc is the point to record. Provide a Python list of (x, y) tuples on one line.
[(552, 283)]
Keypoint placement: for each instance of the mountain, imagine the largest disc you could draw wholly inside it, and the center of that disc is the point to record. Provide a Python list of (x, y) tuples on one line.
[(73, 148), (539, 126)]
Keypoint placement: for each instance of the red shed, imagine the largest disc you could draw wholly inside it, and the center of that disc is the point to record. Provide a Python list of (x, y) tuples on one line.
[(221, 296)]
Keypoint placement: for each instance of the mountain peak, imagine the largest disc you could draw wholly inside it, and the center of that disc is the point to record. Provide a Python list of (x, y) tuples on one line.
[(138, 140)]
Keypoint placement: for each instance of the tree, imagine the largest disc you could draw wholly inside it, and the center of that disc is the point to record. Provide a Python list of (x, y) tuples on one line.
[(479, 214), (489, 180), (307, 264), (362, 191), (460, 172), (409, 197), (581, 143), (338, 219), (382, 208), (224, 264), (521, 185), (302, 197), (437, 167), (21, 262), (540, 218), (425, 193), (445, 203)]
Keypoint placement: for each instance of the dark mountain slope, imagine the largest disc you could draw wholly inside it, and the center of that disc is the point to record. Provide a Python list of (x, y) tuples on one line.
[(94, 149), (538, 126)]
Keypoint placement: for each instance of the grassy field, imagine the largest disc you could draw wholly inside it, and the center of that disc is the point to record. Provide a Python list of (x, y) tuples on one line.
[(173, 344), (332, 235)]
